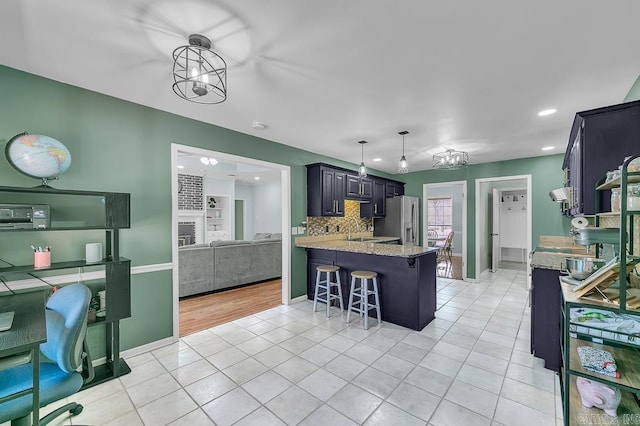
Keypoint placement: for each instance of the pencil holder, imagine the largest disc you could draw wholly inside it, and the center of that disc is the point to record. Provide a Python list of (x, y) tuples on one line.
[(41, 259)]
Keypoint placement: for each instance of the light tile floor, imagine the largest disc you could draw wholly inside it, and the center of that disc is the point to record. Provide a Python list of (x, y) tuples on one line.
[(288, 365)]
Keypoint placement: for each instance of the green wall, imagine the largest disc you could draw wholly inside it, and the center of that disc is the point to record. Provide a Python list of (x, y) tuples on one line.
[(124, 147), (634, 92), (546, 174)]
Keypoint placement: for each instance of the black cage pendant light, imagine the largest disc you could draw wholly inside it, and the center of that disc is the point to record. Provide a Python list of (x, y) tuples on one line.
[(199, 74), (403, 166), (362, 170)]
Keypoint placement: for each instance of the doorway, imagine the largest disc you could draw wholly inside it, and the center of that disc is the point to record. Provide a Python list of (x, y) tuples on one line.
[(508, 239), (239, 222), (452, 197), (503, 222), (233, 165)]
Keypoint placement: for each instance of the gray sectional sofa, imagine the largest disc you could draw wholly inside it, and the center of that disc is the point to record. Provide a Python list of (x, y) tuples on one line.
[(224, 264)]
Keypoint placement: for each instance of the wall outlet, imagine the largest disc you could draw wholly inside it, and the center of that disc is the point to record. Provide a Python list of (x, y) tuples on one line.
[(326, 229), (337, 228)]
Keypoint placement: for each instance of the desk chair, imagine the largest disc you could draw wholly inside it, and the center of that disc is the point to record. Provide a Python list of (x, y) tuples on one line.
[(66, 351)]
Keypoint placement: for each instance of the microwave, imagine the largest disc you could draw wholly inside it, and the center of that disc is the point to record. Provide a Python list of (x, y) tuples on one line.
[(25, 216)]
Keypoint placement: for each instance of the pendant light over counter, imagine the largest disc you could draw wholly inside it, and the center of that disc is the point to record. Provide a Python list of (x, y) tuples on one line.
[(403, 166), (362, 170)]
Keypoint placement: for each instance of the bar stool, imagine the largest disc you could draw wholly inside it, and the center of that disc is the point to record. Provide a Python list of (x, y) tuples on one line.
[(362, 293), (327, 296)]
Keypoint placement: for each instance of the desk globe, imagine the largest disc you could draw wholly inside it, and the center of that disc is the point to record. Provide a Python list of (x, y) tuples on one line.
[(38, 156)]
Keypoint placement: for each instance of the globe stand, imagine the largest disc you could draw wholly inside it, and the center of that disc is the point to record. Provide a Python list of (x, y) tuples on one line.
[(45, 181)]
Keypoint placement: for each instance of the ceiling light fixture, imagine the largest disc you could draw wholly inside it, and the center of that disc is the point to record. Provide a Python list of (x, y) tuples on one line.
[(377, 159), (547, 112), (208, 161), (403, 166), (450, 159), (258, 125), (362, 170), (548, 148), (199, 74)]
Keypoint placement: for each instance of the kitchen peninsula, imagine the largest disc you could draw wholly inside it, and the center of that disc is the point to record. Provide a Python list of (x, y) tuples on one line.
[(406, 275)]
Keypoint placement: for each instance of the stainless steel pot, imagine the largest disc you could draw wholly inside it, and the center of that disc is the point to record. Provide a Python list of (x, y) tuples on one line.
[(581, 268)]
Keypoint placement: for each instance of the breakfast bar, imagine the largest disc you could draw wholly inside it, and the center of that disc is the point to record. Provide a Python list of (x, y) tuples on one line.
[(406, 275)]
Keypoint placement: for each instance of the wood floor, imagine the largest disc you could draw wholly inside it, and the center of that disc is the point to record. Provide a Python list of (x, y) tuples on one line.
[(202, 312)]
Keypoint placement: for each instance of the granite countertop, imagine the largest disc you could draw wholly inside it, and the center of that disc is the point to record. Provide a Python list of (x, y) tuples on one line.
[(368, 247), (552, 259)]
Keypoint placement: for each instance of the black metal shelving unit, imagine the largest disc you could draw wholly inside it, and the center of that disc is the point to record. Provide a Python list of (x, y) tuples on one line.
[(76, 210)]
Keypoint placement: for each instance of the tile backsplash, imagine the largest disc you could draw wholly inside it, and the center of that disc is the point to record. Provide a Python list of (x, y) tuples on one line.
[(340, 225)]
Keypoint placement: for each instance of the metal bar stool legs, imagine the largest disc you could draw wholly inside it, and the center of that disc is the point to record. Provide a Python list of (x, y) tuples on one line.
[(359, 296), (327, 285)]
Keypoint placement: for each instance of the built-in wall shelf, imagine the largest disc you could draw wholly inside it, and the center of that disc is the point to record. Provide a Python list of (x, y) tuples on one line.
[(218, 218)]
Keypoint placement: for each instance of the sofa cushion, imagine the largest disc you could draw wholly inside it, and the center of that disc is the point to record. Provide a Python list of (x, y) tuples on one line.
[(262, 236), (221, 243), (243, 264), (195, 271)]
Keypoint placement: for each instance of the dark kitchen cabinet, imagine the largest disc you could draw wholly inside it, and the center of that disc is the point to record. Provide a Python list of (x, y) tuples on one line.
[(394, 189), (326, 188), (376, 208), (407, 286), (599, 141), (359, 188), (545, 317)]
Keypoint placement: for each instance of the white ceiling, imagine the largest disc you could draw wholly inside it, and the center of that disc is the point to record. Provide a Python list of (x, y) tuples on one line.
[(238, 171), (463, 74)]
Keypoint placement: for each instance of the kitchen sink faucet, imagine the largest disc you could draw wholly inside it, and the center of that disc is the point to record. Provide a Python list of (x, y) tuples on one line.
[(349, 226)]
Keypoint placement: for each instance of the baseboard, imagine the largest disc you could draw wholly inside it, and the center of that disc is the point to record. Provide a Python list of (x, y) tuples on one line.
[(298, 299), (138, 350)]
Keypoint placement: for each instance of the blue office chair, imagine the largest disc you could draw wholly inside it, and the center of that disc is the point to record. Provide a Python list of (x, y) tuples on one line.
[(66, 352)]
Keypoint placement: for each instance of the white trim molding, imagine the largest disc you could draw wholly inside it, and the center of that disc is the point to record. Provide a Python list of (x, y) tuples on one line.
[(77, 277)]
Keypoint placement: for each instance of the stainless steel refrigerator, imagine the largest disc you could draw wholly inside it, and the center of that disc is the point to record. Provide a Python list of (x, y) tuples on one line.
[(401, 220)]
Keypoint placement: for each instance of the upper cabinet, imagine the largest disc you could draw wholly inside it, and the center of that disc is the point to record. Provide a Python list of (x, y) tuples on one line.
[(376, 208), (359, 188), (600, 140), (394, 189), (326, 189), (329, 186)]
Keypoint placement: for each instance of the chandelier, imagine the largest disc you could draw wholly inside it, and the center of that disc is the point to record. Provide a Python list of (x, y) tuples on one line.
[(450, 159), (403, 166), (362, 170), (199, 74)]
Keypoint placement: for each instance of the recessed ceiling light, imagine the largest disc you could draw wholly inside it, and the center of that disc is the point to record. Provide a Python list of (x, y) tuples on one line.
[(257, 178), (181, 167), (258, 125), (377, 159), (547, 112), (548, 148)]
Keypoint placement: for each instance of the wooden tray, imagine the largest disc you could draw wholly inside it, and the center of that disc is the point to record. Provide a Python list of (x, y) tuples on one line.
[(603, 278)]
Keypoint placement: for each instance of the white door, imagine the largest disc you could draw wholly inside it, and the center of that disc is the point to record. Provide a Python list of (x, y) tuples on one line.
[(495, 231)]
